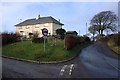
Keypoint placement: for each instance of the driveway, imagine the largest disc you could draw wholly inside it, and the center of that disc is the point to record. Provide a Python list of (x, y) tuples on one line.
[(100, 61)]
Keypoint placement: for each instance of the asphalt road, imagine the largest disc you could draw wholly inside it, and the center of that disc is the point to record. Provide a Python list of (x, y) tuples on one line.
[(95, 61), (100, 61), (19, 69)]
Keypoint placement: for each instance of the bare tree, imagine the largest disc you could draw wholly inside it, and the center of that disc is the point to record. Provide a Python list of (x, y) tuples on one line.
[(103, 21)]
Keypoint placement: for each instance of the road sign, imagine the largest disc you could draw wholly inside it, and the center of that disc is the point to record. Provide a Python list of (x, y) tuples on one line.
[(44, 32), (44, 37)]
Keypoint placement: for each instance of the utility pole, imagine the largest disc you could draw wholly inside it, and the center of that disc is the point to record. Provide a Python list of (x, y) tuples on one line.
[(118, 16), (86, 28), (79, 32), (20, 20)]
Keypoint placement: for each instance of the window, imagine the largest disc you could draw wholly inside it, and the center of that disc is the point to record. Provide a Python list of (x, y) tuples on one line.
[(37, 25), (27, 27), (46, 24), (20, 27)]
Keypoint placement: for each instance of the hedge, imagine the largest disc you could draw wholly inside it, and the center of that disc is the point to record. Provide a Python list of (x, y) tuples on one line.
[(8, 38), (115, 38), (38, 40), (71, 41)]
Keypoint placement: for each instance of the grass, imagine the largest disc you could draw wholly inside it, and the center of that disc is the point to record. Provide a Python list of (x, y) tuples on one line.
[(34, 51), (114, 47)]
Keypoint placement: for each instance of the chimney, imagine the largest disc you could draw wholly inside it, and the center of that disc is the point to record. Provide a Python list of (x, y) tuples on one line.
[(37, 17), (59, 20)]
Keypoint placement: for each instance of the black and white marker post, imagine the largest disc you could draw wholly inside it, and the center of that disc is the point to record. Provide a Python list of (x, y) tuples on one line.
[(45, 33)]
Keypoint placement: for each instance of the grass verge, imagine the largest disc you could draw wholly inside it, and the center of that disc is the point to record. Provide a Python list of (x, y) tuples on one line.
[(114, 47), (33, 51)]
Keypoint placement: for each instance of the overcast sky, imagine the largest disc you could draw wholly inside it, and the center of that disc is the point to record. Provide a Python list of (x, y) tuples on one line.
[(74, 15)]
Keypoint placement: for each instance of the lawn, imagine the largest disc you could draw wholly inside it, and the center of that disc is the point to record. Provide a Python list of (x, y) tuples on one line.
[(35, 51), (114, 47)]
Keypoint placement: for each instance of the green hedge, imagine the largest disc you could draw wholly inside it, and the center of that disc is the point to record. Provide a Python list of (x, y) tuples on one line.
[(38, 40)]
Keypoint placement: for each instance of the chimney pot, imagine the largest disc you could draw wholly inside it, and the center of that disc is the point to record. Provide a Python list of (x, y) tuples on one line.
[(59, 20), (38, 17)]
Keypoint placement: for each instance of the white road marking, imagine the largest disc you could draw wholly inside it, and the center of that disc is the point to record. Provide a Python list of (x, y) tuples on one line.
[(71, 68), (63, 69)]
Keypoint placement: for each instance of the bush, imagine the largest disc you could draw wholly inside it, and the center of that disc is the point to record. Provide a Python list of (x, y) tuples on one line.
[(81, 39), (30, 35), (38, 40), (102, 39), (115, 38), (84, 39), (10, 38), (70, 41)]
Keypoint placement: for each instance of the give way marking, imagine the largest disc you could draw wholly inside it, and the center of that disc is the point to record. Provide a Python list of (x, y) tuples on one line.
[(64, 69)]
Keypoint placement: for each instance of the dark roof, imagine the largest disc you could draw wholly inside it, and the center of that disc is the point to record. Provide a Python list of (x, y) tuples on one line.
[(39, 21), (70, 32)]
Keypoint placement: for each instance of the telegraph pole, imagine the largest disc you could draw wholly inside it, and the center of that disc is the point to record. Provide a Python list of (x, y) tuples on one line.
[(20, 20), (79, 32), (86, 28), (118, 16)]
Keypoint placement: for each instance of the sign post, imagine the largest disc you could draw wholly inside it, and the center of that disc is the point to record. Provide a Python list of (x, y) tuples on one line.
[(44, 32)]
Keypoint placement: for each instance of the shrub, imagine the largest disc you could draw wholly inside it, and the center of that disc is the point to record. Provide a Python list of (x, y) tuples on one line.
[(86, 39), (30, 35), (61, 33), (10, 38), (81, 39), (106, 39), (70, 41), (38, 40), (116, 39)]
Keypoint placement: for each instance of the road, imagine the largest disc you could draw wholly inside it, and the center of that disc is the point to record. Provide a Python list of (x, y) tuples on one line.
[(95, 61), (20, 69), (100, 61)]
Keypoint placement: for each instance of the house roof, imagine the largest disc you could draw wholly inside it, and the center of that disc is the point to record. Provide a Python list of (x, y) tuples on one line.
[(70, 32), (39, 21)]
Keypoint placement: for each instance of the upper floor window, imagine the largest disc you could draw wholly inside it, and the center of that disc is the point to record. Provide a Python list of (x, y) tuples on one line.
[(27, 27), (37, 25), (46, 24), (20, 27)]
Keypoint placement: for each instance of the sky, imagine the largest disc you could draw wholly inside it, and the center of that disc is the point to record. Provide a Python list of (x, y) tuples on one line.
[(74, 15)]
